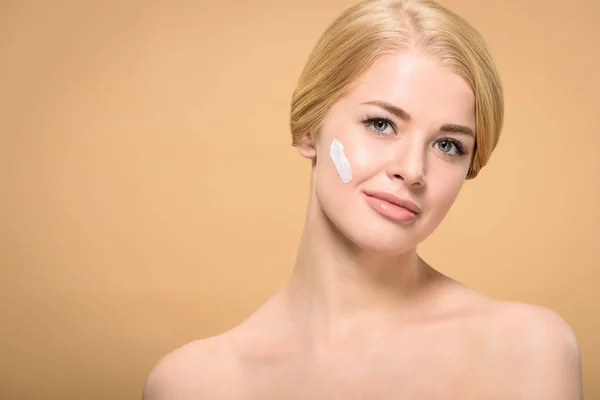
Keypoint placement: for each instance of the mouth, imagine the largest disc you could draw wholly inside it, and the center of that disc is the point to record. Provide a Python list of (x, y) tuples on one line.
[(392, 206)]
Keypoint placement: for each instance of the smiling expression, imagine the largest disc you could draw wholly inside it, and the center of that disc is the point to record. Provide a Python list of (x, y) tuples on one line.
[(408, 132)]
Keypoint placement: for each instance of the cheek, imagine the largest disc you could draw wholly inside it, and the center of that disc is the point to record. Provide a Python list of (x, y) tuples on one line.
[(340, 161), (444, 188), (347, 153), (335, 173), (362, 163), (367, 158)]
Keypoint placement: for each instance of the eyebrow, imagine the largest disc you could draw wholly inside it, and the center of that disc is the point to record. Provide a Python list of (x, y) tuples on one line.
[(404, 116), (458, 129), (398, 112)]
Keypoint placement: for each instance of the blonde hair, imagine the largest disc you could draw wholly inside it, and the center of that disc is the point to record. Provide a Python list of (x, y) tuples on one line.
[(373, 28)]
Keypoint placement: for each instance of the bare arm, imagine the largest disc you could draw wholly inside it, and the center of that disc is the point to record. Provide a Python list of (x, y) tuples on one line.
[(175, 376), (551, 363), (163, 381)]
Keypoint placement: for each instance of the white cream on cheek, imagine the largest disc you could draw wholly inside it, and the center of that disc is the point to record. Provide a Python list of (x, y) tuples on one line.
[(342, 165)]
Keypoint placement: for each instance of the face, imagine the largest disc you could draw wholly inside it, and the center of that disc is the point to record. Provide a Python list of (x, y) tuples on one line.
[(407, 133)]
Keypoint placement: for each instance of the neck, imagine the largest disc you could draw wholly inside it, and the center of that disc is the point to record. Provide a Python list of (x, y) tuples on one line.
[(336, 283)]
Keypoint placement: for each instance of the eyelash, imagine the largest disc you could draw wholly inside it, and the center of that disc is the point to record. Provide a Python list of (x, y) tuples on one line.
[(370, 119)]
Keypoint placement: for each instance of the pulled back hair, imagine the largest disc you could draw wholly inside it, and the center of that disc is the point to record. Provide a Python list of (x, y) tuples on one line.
[(374, 28)]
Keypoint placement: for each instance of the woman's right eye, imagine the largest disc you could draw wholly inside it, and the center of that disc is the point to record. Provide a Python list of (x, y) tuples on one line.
[(380, 126)]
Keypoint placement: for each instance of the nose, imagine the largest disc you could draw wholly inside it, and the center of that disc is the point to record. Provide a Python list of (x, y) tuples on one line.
[(408, 163)]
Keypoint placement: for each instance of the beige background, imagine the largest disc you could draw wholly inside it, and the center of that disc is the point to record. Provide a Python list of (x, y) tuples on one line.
[(149, 193)]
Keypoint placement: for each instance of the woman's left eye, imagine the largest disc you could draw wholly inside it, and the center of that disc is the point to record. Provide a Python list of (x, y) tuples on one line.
[(450, 147)]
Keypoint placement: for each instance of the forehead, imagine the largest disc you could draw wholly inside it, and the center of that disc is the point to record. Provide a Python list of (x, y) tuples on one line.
[(421, 86)]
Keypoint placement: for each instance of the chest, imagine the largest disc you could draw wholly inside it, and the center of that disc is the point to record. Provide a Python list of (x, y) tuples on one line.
[(417, 372)]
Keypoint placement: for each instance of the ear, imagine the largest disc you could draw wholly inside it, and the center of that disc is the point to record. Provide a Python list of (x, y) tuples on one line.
[(307, 146)]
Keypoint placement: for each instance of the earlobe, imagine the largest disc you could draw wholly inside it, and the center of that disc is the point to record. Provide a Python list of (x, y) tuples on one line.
[(306, 146)]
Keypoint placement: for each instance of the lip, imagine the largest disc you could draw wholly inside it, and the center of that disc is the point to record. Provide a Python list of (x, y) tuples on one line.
[(392, 206)]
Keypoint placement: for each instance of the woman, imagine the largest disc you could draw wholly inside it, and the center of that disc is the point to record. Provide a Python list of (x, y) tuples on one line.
[(399, 103)]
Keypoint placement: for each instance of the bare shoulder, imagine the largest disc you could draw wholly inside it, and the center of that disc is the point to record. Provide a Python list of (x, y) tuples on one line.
[(534, 328), (192, 371), (536, 348)]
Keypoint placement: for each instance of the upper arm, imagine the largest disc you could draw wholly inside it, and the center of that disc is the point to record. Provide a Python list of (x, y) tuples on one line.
[(162, 380), (550, 364), (153, 387), (173, 377)]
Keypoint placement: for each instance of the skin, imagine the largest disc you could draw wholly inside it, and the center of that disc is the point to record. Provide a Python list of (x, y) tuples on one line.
[(362, 315)]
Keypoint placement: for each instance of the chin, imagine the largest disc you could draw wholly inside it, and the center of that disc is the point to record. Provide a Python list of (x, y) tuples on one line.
[(366, 231), (386, 246), (383, 237)]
